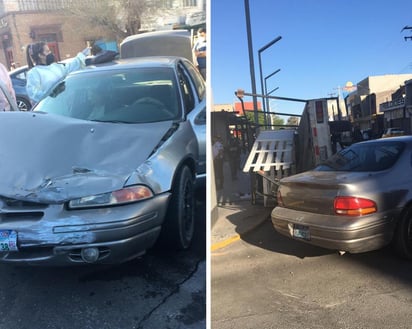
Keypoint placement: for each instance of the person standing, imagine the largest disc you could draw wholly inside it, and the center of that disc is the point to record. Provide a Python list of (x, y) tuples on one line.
[(44, 72), (217, 150), (5, 79), (199, 52), (234, 156)]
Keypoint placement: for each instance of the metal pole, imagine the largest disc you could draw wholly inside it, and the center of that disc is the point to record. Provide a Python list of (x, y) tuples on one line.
[(273, 90), (266, 92), (251, 63), (260, 66)]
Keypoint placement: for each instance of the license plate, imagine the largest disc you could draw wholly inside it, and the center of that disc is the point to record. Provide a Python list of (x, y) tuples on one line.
[(8, 240), (301, 232)]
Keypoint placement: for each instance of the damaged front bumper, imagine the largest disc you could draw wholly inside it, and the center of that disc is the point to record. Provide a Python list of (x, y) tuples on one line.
[(53, 235)]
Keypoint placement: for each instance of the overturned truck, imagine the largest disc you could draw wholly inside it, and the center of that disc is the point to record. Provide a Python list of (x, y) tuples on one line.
[(280, 152)]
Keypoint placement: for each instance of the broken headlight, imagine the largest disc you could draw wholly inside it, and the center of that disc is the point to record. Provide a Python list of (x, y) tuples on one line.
[(125, 195)]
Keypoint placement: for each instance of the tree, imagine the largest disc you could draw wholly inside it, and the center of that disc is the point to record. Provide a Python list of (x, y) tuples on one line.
[(272, 119), (277, 121), (121, 17), (293, 121)]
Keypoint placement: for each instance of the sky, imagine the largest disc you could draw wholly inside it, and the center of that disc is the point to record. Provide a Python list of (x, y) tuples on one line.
[(324, 45)]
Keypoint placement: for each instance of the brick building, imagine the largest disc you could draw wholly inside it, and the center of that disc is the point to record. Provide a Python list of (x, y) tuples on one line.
[(24, 22)]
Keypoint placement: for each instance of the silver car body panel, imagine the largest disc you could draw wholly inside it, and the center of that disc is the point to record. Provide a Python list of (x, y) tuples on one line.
[(47, 160), (342, 233), (307, 201), (90, 159), (53, 235)]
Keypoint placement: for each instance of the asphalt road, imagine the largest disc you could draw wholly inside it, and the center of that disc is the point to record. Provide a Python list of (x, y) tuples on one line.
[(160, 290), (266, 281)]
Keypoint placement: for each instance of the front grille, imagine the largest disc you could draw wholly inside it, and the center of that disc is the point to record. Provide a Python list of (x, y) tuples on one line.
[(20, 204), (17, 210), (13, 216)]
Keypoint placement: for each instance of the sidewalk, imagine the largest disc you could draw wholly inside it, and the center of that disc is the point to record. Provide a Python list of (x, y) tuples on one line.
[(236, 213)]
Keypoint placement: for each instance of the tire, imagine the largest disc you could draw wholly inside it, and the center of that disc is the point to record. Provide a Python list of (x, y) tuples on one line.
[(23, 104), (178, 227), (403, 235)]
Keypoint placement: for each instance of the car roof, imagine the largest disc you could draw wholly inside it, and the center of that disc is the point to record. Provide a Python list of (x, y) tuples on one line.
[(131, 63), (404, 138), (18, 70), (158, 34)]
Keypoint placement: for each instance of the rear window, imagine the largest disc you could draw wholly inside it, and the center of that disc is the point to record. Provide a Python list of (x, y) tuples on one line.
[(370, 156)]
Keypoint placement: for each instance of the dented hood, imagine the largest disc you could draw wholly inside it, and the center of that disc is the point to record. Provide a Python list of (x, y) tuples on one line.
[(50, 158)]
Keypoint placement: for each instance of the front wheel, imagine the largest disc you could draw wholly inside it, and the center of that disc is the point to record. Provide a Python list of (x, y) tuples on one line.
[(178, 227), (23, 104), (403, 235)]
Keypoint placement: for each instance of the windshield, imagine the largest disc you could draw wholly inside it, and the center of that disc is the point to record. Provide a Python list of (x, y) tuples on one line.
[(130, 96), (371, 156)]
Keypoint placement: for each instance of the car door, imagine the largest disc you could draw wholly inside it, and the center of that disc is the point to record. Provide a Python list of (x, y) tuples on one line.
[(194, 93)]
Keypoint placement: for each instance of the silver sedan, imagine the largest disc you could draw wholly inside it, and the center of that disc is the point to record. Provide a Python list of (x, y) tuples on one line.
[(104, 165), (357, 201)]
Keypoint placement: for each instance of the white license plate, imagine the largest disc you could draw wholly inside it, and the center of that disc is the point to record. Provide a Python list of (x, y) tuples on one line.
[(301, 232), (8, 240)]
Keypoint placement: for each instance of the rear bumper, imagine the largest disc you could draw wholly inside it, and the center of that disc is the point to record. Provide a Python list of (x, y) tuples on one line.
[(350, 234)]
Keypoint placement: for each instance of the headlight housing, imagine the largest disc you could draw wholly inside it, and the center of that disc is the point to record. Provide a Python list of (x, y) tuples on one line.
[(125, 195)]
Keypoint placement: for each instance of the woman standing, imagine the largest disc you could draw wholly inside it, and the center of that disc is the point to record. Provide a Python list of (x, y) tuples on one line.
[(44, 72)]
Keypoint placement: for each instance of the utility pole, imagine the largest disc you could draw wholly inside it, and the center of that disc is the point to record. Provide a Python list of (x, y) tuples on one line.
[(251, 63)]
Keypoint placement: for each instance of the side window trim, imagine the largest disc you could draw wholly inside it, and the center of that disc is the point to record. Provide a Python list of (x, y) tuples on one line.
[(187, 89)]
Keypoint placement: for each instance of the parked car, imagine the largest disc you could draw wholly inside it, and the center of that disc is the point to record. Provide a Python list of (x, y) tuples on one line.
[(390, 132), (166, 43), (104, 165), (18, 79), (357, 201)]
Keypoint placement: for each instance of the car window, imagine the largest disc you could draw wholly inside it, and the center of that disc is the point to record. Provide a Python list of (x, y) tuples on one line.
[(197, 81), (201, 118), (130, 96), (21, 75), (188, 95), (373, 156)]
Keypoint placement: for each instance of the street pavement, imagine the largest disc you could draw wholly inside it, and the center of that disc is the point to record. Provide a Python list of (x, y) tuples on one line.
[(237, 215)]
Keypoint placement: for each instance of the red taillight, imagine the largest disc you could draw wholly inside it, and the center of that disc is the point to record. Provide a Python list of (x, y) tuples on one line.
[(353, 206), (279, 198)]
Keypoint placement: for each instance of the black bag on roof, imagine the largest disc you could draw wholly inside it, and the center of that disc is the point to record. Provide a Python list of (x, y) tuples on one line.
[(102, 57)]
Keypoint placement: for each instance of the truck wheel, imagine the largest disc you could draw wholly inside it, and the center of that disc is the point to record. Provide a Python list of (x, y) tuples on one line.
[(403, 235), (178, 227)]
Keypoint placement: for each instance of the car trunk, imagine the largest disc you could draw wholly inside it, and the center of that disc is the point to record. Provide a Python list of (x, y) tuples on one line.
[(315, 191)]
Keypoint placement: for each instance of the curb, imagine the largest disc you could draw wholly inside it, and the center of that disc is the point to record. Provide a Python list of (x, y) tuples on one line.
[(237, 237)]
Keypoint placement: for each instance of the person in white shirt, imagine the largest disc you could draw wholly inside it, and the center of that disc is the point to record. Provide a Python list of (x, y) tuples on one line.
[(199, 52), (45, 72), (5, 79)]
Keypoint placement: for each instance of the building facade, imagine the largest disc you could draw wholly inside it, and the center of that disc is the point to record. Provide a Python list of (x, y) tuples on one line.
[(26, 21), (364, 104), (397, 112)]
